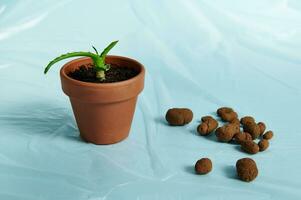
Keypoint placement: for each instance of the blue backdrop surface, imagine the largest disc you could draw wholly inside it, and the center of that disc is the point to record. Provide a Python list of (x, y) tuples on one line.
[(198, 54)]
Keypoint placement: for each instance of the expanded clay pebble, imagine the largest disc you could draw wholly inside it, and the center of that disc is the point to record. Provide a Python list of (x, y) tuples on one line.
[(262, 127), (179, 116), (226, 132), (247, 119), (246, 169), (250, 147), (253, 129), (268, 135), (241, 137), (223, 109), (203, 166), (208, 125), (227, 114), (207, 118), (263, 144), (235, 121)]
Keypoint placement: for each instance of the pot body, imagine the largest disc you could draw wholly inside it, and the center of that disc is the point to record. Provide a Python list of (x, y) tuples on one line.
[(103, 111)]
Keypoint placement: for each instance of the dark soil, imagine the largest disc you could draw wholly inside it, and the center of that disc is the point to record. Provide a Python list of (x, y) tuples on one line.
[(87, 73)]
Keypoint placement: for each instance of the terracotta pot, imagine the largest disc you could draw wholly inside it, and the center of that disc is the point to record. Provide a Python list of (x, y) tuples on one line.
[(103, 111)]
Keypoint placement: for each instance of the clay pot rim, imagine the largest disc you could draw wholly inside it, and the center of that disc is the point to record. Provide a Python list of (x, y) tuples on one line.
[(103, 85)]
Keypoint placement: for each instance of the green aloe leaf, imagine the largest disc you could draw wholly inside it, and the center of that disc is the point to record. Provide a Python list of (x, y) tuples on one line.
[(107, 49), (98, 60), (69, 55)]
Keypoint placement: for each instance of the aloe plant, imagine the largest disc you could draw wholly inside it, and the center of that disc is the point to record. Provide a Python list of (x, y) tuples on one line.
[(98, 60)]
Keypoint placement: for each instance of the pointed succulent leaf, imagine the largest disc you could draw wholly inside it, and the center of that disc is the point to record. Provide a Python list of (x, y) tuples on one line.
[(98, 60), (94, 57), (95, 50), (107, 49)]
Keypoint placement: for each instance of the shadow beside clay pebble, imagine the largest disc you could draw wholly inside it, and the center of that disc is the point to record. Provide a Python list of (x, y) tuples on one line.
[(194, 132), (161, 120), (190, 169), (230, 172), (211, 137), (238, 148)]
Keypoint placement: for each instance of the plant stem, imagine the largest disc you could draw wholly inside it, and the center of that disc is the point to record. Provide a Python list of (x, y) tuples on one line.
[(100, 74)]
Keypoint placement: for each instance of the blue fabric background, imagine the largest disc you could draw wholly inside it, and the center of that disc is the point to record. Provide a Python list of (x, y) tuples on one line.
[(198, 54)]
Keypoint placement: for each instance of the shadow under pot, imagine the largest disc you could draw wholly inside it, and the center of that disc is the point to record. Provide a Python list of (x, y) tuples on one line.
[(103, 111)]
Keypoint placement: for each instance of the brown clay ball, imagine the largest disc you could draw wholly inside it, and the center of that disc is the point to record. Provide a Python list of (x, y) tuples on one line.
[(253, 129), (203, 129), (247, 119), (241, 137), (262, 127), (208, 125), (250, 147), (228, 117), (263, 144), (203, 166), (226, 132), (227, 114), (246, 169), (268, 135), (188, 115), (179, 116), (224, 109), (235, 121), (207, 118)]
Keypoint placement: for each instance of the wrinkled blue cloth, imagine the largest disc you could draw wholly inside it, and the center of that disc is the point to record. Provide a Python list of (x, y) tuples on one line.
[(198, 54)]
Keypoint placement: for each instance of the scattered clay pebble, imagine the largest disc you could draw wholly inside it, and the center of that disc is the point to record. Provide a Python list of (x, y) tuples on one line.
[(253, 129), (226, 132), (203, 166), (247, 119), (262, 127), (268, 135), (250, 147), (223, 109), (208, 125), (227, 114), (246, 169), (241, 137), (263, 144), (207, 118), (228, 117), (179, 116), (235, 121)]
